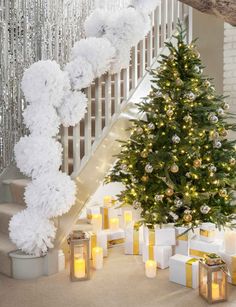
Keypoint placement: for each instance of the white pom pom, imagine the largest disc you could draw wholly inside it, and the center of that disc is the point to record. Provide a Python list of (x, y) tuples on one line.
[(80, 73), (45, 82), (41, 119), (146, 6), (37, 155), (122, 60), (96, 23), (99, 52), (51, 194), (127, 28), (32, 233), (73, 108)]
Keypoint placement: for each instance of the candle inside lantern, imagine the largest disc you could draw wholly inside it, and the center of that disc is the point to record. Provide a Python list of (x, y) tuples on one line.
[(230, 242), (107, 200), (128, 217), (114, 223), (97, 222), (151, 268), (97, 253), (79, 267), (215, 291)]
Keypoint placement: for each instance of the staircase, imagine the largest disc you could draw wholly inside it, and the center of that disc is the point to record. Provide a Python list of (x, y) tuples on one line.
[(89, 148)]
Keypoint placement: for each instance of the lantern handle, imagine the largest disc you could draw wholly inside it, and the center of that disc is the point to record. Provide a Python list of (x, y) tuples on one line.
[(226, 271)]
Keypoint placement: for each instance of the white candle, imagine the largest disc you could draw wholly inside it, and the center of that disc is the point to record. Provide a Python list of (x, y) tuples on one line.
[(151, 268), (128, 217), (97, 254), (114, 223), (107, 201), (79, 267), (97, 222), (215, 291), (230, 242)]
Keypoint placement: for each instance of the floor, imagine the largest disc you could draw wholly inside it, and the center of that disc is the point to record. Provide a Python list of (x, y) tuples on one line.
[(121, 283)]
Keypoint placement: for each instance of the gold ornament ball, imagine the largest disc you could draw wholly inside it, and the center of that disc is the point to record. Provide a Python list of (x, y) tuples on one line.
[(223, 192), (197, 163), (232, 161), (169, 113), (187, 218), (169, 192), (223, 133), (144, 178), (144, 154), (174, 168)]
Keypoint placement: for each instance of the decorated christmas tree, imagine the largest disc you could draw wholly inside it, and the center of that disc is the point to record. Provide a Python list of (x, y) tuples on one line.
[(178, 165)]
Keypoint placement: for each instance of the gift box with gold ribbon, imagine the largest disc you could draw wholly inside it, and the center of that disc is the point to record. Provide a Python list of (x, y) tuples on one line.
[(207, 232), (134, 239), (115, 237), (90, 211), (107, 214), (159, 253), (98, 239), (184, 270), (183, 237), (199, 248), (159, 236), (230, 261)]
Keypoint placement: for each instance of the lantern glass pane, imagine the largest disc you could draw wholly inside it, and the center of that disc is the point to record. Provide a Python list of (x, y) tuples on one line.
[(203, 281), (218, 285)]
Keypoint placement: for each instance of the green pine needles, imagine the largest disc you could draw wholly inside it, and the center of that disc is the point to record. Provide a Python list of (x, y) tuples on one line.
[(178, 165)]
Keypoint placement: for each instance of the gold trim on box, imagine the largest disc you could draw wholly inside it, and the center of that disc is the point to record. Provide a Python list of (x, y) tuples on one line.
[(207, 233)]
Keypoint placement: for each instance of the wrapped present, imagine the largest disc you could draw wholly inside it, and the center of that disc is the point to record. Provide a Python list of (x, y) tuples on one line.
[(98, 239), (182, 240), (159, 236), (161, 254), (115, 237), (107, 214), (134, 240), (230, 261), (184, 270), (90, 211), (207, 232), (199, 248)]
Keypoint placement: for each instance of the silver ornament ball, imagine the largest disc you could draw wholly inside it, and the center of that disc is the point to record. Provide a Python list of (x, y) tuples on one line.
[(178, 203), (175, 139), (205, 209), (148, 168), (217, 144), (220, 111), (213, 119), (158, 197), (212, 168), (187, 118), (151, 126)]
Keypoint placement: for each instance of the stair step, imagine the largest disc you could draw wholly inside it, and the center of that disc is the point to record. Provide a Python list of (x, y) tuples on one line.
[(7, 210), (17, 189), (6, 246)]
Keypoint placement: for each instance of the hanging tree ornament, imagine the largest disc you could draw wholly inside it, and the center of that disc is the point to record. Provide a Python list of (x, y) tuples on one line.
[(223, 192), (217, 144), (158, 197), (188, 175), (123, 167), (207, 83), (213, 118), (191, 96), (169, 192), (136, 204), (212, 168), (179, 82), (151, 126), (187, 118), (187, 217), (174, 168), (144, 178), (226, 106), (175, 139), (232, 161), (197, 69), (223, 132), (205, 209), (178, 202), (144, 153), (169, 112), (220, 112), (174, 216), (197, 163), (150, 136), (139, 130), (148, 168)]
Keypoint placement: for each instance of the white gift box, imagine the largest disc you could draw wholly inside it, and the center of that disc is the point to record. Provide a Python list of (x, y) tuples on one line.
[(98, 239), (159, 236), (230, 260), (184, 270), (161, 254), (90, 211), (133, 240), (207, 232), (182, 240), (115, 236), (198, 248), (107, 214)]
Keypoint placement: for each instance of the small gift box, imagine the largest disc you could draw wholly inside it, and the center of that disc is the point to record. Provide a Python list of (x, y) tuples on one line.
[(198, 248), (230, 261), (90, 211), (108, 213), (207, 232), (159, 236), (161, 254), (98, 239), (134, 240), (184, 270), (183, 237), (115, 237)]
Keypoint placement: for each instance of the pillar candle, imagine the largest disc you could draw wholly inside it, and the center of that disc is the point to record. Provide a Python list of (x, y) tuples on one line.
[(97, 222), (107, 200), (79, 267), (230, 242), (215, 291), (150, 268), (114, 223), (97, 257), (128, 217)]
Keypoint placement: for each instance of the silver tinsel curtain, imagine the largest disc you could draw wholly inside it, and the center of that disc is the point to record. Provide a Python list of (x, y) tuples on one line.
[(31, 30)]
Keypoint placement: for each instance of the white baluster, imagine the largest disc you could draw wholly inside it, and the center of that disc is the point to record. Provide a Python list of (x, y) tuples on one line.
[(163, 22), (156, 31)]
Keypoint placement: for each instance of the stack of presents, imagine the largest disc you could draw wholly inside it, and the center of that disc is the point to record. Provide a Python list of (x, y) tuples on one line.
[(169, 246)]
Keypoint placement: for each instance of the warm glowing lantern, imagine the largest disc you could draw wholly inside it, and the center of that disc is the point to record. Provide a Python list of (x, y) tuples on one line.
[(150, 268), (97, 255), (79, 256), (213, 279)]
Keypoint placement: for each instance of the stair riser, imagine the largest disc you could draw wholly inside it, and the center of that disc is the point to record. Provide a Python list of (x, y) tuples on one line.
[(5, 264), (4, 222), (17, 192)]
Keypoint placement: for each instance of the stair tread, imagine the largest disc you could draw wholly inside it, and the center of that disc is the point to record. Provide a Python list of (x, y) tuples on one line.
[(19, 182), (6, 246), (10, 208)]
